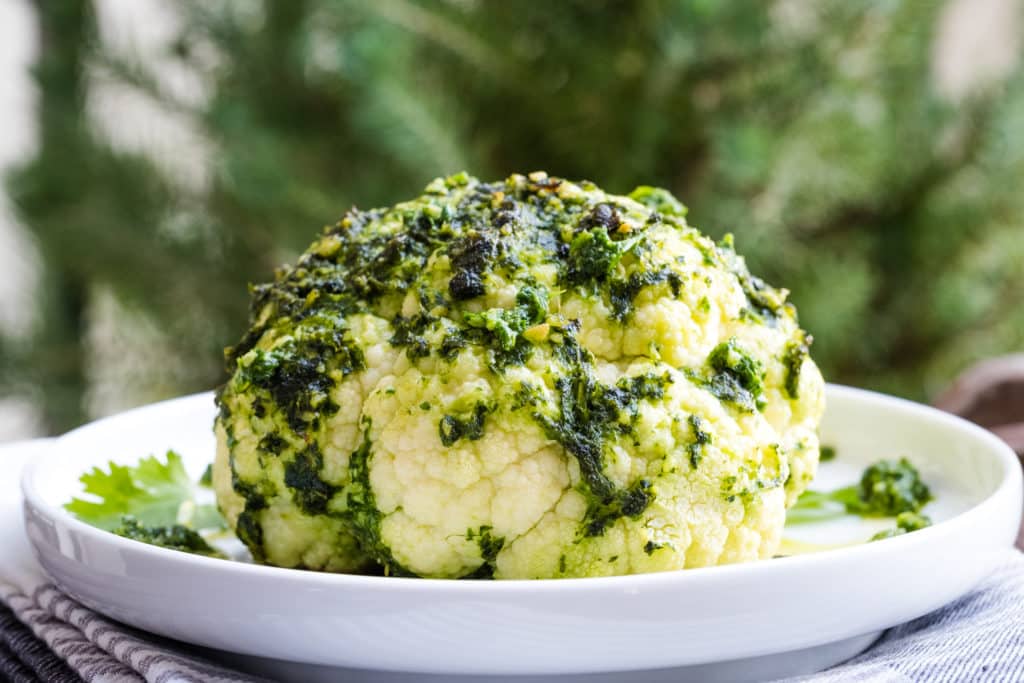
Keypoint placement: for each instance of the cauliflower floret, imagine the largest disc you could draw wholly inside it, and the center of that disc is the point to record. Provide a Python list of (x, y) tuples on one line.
[(524, 379)]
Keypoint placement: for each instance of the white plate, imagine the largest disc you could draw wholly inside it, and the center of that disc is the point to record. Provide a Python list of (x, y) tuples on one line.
[(756, 620)]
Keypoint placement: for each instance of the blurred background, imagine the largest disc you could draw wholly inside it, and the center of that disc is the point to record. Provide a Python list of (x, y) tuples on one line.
[(158, 156)]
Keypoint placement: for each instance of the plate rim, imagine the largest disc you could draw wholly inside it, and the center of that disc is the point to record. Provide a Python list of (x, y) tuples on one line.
[(1009, 486)]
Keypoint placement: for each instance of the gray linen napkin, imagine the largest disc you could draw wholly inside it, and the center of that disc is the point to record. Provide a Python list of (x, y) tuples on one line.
[(98, 649), (23, 657), (979, 637)]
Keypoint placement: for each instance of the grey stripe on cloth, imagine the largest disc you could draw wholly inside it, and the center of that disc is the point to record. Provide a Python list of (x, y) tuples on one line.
[(103, 651), (979, 637), (155, 659), (12, 669), (67, 642), (32, 652)]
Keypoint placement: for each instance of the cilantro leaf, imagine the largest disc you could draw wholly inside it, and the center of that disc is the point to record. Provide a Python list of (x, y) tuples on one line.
[(156, 493), (819, 506)]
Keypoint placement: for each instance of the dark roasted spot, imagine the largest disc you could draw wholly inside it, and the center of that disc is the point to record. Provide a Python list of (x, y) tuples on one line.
[(470, 257), (465, 285), (601, 216)]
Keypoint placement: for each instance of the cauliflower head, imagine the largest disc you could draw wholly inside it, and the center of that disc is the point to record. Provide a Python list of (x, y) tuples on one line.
[(520, 379)]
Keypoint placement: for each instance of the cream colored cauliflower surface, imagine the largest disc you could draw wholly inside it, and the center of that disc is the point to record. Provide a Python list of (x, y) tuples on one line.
[(523, 379)]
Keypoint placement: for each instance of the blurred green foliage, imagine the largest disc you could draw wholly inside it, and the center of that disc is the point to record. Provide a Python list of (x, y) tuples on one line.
[(812, 130)]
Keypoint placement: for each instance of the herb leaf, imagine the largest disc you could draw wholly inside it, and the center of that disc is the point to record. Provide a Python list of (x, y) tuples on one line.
[(887, 488), (155, 493), (819, 506)]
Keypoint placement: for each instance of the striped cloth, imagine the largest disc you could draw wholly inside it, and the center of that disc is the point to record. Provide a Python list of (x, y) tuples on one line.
[(24, 658), (979, 637), (52, 638)]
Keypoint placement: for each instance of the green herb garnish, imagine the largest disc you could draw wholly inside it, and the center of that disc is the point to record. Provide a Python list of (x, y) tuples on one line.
[(886, 489), (153, 501)]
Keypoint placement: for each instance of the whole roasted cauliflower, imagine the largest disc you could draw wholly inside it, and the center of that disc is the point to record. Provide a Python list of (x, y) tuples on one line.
[(520, 379)]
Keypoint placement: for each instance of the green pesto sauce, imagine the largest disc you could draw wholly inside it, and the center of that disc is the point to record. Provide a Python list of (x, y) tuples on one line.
[(701, 438), (589, 414), (273, 444), (362, 513), (756, 482), (765, 304), (451, 428), (793, 359), (302, 476), (176, 537), (299, 344), (892, 487), (905, 523), (650, 547), (592, 257), (489, 545), (887, 488), (297, 377), (622, 293), (500, 328), (736, 376)]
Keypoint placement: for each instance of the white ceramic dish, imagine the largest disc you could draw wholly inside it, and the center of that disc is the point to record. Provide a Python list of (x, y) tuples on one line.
[(752, 621)]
